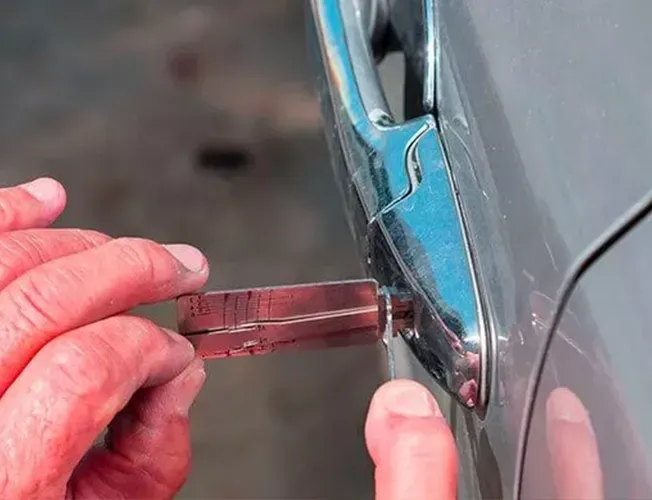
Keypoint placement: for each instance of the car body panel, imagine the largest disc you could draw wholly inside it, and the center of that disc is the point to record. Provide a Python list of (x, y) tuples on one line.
[(545, 111), (599, 352)]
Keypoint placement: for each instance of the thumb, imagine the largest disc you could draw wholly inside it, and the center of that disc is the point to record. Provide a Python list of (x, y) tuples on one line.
[(410, 444)]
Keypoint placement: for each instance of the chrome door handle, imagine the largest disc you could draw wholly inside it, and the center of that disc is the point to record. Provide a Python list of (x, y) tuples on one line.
[(403, 182)]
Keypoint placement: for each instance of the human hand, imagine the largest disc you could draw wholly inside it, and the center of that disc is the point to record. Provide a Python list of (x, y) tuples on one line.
[(410, 444), (72, 362), (414, 451)]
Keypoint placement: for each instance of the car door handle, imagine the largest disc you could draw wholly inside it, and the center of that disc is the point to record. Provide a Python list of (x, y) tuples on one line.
[(406, 190)]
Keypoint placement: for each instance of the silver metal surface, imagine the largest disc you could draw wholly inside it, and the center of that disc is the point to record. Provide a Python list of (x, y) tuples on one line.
[(399, 175), (389, 332), (429, 57), (298, 317)]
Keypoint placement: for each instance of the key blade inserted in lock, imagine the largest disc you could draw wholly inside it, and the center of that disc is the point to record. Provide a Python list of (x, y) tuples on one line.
[(298, 317)]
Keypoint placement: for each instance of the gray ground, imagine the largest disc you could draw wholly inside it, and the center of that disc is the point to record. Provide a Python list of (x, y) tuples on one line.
[(115, 99)]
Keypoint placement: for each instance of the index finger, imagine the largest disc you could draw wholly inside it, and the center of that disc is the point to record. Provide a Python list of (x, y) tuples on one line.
[(79, 289)]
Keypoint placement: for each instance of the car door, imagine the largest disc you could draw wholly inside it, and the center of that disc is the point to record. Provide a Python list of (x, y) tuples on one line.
[(545, 108), (543, 118), (599, 352)]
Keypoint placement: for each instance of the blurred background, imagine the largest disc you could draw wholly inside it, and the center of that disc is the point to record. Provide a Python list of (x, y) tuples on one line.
[(188, 121)]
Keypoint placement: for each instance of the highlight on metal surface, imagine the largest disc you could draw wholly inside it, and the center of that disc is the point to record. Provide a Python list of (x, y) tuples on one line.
[(430, 56), (400, 176), (311, 316), (388, 331)]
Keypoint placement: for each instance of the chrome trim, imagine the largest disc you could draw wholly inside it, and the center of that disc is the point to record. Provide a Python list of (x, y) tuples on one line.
[(388, 332), (430, 56), (405, 188)]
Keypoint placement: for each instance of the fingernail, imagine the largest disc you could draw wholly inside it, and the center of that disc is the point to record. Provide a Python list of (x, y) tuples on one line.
[(409, 399), (564, 405), (193, 380), (45, 190), (191, 258)]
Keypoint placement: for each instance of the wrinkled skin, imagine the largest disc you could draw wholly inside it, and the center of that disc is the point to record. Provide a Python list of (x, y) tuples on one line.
[(73, 363)]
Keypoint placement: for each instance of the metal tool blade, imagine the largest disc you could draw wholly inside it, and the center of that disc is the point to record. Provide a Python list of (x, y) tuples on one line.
[(297, 317)]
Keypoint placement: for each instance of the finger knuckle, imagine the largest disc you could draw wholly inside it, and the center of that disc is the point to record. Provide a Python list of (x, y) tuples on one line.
[(31, 304), (8, 212), (37, 297), (16, 251), (24, 250), (82, 367), (146, 257), (95, 237), (85, 238), (92, 361), (141, 335)]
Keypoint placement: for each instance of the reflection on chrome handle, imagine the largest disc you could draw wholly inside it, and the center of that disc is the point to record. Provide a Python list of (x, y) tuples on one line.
[(402, 181)]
